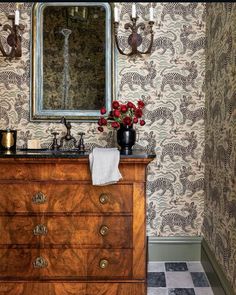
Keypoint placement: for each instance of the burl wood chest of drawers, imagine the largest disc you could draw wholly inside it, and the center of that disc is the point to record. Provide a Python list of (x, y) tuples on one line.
[(60, 235)]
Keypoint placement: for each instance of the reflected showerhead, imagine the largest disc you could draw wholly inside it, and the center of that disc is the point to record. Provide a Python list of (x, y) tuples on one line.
[(66, 32)]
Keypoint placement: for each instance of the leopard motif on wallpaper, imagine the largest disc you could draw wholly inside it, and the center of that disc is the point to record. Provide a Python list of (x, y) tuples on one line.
[(219, 224), (170, 81)]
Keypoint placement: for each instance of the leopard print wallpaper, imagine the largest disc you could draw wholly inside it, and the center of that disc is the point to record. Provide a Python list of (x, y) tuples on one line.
[(171, 82), (219, 225)]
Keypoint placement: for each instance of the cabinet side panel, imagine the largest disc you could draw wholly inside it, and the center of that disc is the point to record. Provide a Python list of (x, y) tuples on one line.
[(139, 232)]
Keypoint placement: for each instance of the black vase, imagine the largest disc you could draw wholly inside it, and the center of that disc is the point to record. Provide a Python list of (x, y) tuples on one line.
[(126, 137)]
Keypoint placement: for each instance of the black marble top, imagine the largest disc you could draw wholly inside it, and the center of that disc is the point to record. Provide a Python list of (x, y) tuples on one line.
[(41, 153)]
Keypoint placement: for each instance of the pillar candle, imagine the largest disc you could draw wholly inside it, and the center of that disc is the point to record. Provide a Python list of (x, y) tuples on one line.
[(151, 14), (17, 16), (116, 14), (133, 10)]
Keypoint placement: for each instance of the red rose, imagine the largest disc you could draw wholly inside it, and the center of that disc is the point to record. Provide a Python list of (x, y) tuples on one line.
[(123, 108), (100, 129), (141, 104), (104, 121), (116, 113), (115, 104), (138, 113), (130, 105), (127, 121), (115, 125), (103, 111), (142, 122), (100, 122), (135, 120)]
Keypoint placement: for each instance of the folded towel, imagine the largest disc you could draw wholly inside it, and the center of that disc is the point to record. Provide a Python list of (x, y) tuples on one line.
[(104, 164)]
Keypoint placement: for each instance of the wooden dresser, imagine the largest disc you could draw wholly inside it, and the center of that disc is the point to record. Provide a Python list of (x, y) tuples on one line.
[(60, 235)]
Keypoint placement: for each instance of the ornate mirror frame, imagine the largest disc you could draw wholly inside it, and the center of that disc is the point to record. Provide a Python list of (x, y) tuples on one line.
[(38, 113)]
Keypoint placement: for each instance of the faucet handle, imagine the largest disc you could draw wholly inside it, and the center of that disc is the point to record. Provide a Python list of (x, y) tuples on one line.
[(55, 145), (81, 146)]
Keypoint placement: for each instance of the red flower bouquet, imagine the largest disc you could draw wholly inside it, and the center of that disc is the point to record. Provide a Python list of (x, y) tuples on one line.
[(126, 114)]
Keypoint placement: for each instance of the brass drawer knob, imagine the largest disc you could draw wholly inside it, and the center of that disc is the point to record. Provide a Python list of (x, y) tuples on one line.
[(103, 263), (39, 198), (104, 230), (40, 230), (104, 199), (40, 262)]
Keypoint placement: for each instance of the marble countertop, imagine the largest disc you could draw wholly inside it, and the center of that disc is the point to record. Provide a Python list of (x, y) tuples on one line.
[(41, 153)]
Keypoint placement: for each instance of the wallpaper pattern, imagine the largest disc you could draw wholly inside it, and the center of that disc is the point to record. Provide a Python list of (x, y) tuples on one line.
[(171, 82), (219, 226)]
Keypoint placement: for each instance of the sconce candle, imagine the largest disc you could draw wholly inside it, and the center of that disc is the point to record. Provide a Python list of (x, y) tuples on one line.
[(14, 36), (151, 14), (116, 14), (135, 38), (133, 10), (17, 15)]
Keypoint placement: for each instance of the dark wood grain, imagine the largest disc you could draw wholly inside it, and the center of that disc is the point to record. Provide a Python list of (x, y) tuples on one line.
[(73, 231), (102, 288), (72, 213), (116, 289), (66, 169), (119, 263), (65, 263), (64, 197)]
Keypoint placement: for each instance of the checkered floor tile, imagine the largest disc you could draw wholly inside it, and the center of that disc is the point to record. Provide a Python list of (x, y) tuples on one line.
[(177, 278)]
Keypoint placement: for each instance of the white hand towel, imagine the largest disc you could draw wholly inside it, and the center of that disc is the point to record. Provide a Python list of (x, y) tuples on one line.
[(104, 164)]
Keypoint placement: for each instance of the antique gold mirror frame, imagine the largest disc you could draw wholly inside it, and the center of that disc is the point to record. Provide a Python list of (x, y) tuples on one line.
[(41, 109)]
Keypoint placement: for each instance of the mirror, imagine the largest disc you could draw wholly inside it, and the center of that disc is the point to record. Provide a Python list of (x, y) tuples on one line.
[(71, 60)]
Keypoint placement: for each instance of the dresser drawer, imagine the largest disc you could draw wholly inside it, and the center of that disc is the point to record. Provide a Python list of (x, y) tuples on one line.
[(109, 263), (65, 169), (115, 289), (73, 231), (71, 288), (65, 263), (33, 263), (65, 197), (43, 288)]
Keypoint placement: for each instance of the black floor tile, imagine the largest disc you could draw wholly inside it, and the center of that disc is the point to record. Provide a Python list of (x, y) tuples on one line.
[(199, 279), (181, 291), (156, 279), (176, 266)]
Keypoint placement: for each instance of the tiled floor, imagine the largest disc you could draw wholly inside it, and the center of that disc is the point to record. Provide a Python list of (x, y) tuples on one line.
[(177, 278)]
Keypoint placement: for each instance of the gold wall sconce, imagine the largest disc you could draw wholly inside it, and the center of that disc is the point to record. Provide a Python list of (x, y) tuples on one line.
[(13, 40), (134, 39)]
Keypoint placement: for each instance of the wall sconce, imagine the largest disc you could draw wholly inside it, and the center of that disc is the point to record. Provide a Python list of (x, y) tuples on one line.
[(135, 38), (14, 37)]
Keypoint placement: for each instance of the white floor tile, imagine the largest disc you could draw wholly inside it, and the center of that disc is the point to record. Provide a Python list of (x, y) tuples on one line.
[(156, 266), (203, 291), (157, 291), (177, 279), (195, 266)]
